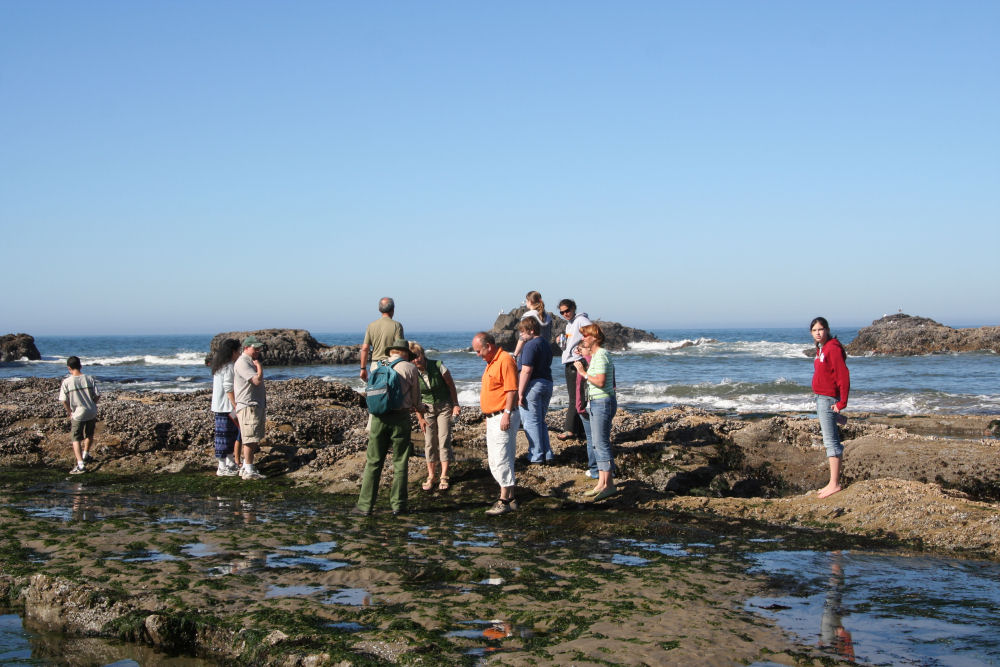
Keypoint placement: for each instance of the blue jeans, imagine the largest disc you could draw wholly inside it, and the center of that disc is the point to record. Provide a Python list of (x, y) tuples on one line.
[(537, 396), (828, 425), (602, 410), (591, 456)]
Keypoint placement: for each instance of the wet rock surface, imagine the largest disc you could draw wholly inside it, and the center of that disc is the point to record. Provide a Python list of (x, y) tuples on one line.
[(15, 347), (292, 347), (906, 335)]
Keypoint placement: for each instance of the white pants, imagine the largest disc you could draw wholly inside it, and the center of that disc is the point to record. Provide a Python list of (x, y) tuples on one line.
[(500, 448)]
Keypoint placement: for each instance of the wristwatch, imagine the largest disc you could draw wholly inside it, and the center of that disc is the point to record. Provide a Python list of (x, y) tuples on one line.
[(506, 411)]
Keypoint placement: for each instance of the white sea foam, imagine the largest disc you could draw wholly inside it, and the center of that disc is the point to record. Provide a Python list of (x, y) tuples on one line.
[(179, 359), (166, 387), (710, 346), (669, 345)]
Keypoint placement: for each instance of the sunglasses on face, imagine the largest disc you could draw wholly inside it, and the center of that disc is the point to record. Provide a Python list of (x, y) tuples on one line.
[(565, 312)]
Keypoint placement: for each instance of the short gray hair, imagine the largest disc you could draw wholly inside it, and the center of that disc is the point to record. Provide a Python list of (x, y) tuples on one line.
[(386, 305)]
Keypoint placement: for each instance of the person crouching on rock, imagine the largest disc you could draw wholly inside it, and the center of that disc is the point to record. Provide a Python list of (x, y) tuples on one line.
[(227, 430), (831, 384), (78, 394)]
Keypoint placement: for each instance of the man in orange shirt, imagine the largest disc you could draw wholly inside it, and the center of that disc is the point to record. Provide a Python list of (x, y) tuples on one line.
[(497, 398)]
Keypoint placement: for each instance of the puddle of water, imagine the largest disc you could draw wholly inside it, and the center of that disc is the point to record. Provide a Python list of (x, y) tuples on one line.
[(14, 646), (317, 549), (357, 597), (307, 562), (491, 581), (886, 610), (143, 556), (673, 550), (198, 550), (635, 561), (474, 543), (347, 626), (292, 591), (21, 646)]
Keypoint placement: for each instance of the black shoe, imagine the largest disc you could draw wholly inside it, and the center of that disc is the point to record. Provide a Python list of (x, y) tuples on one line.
[(399, 512), (360, 512)]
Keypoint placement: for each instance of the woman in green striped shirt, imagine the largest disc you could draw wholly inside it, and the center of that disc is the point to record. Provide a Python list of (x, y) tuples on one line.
[(601, 406)]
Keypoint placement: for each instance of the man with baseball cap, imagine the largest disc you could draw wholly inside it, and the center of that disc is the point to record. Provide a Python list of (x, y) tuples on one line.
[(251, 403)]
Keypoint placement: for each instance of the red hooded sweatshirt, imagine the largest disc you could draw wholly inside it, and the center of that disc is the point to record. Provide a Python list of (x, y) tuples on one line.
[(830, 375)]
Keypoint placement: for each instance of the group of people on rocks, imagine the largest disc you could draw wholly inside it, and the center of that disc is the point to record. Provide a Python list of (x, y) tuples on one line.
[(515, 393)]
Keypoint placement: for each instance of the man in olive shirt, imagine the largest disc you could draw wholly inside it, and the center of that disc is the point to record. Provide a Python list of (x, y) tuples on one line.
[(378, 336), (392, 429)]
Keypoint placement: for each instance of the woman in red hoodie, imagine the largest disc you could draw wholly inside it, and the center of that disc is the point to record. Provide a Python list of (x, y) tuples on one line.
[(831, 384)]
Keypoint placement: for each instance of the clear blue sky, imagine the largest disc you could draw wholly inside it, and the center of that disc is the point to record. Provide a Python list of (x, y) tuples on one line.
[(211, 166)]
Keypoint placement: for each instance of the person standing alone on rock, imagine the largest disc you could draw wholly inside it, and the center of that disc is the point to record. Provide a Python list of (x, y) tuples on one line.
[(78, 394), (251, 403), (831, 384)]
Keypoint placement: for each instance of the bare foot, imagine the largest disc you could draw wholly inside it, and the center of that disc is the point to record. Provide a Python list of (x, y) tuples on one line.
[(827, 491)]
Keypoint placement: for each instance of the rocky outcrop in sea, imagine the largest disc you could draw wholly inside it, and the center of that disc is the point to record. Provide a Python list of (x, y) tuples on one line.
[(292, 347), (15, 347), (906, 335), (617, 336)]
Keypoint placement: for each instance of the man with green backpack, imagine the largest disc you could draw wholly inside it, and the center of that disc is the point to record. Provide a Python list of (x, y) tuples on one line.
[(392, 393)]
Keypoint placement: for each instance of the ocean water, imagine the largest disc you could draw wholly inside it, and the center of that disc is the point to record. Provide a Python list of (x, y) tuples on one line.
[(730, 370)]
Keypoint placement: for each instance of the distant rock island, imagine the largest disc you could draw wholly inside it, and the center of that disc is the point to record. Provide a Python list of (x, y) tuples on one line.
[(292, 347), (906, 335), (14, 347), (616, 336)]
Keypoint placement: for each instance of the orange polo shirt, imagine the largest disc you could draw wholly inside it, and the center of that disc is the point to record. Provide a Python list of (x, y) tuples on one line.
[(499, 378)]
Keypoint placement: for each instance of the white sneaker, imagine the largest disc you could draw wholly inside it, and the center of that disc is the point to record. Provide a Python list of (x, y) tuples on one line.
[(78, 469), (251, 473), (225, 471)]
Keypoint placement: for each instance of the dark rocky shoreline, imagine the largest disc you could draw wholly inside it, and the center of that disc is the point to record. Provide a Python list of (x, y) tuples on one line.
[(906, 335)]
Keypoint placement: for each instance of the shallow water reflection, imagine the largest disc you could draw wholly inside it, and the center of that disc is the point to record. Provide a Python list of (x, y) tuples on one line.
[(885, 610), (22, 645)]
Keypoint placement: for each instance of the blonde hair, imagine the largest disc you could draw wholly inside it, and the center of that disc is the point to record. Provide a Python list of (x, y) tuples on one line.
[(539, 307), (416, 349), (595, 331)]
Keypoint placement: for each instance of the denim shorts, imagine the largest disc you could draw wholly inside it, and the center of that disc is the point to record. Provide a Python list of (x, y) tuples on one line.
[(828, 425)]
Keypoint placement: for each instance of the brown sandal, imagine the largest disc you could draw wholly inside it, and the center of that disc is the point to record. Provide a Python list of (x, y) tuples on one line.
[(428, 485), (443, 484), (565, 435)]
